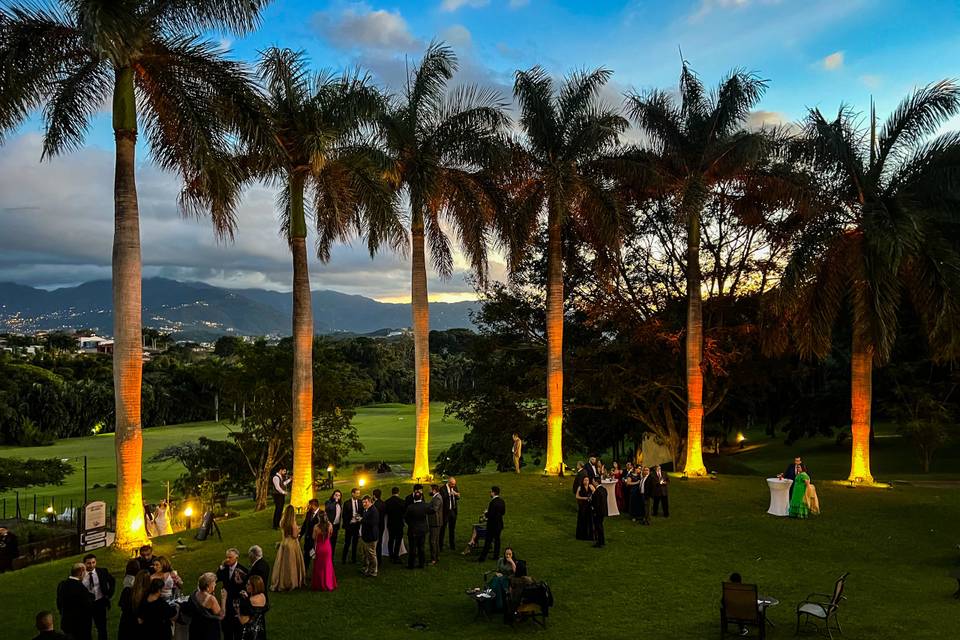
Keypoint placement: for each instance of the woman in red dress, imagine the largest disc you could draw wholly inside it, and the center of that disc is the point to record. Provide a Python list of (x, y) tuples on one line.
[(324, 577)]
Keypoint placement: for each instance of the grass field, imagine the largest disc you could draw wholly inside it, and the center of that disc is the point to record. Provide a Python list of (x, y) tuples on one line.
[(386, 430), (661, 582)]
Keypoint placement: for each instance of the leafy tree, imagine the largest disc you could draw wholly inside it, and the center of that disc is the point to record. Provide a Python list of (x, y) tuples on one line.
[(886, 231), (17, 473), (315, 149), (72, 57), (694, 146), (563, 169), (442, 148)]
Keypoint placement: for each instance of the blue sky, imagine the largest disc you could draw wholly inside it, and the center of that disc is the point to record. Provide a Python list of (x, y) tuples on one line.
[(815, 53)]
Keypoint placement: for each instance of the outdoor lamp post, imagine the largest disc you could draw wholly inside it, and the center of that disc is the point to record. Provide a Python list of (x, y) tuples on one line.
[(188, 513)]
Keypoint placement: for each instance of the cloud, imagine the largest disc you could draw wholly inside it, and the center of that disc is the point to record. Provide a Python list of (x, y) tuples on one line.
[(57, 221), (833, 61), (760, 119), (453, 5), (457, 36), (360, 27), (871, 81), (709, 6)]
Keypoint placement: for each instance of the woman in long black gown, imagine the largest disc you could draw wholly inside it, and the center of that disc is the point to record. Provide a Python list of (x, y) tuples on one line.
[(584, 515)]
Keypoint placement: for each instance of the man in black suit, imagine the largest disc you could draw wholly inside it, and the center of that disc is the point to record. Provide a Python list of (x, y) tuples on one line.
[(793, 470), (258, 566), (352, 515), (451, 505), (369, 536), (592, 470), (417, 528), (598, 507), (280, 483), (645, 489), (393, 511), (233, 577), (578, 479), (75, 604), (661, 482), (145, 558), (101, 586), (310, 520), (45, 630), (381, 508), (495, 512), (9, 549)]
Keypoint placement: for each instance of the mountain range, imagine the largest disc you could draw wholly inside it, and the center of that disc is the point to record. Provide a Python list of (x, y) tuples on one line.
[(198, 311)]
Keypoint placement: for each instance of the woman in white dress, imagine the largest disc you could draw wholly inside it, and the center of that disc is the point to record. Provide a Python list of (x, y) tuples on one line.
[(160, 522)]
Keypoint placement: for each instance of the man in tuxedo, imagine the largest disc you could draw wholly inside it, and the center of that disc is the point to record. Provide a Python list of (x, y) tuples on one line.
[(495, 512), (381, 508), (416, 518), (645, 488), (435, 519), (592, 470), (578, 478), (369, 536), (45, 630), (793, 470), (280, 483), (233, 579), (101, 586), (310, 520), (352, 515), (258, 566), (334, 509), (75, 604), (598, 508), (9, 549), (659, 490), (145, 558), (451, 502), (393, 511)]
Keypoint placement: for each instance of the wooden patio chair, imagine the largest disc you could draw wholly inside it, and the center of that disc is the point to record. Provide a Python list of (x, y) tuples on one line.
[(821, 606), (739, 606)]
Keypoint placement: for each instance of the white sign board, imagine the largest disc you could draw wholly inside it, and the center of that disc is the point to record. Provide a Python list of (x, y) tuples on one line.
[(95, 515)]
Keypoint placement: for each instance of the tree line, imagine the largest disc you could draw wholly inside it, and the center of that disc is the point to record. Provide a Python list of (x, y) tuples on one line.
[(865, 215)]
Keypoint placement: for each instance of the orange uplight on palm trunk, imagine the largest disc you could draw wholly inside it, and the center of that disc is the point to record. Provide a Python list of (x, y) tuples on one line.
[(861, 397), (421, 353)]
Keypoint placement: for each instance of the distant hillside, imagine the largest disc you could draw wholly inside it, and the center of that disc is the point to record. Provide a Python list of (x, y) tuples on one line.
[(199, 311)]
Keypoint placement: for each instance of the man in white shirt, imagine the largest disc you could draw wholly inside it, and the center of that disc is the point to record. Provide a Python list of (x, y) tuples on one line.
[(280, 484), (101, 586), (352, 515)]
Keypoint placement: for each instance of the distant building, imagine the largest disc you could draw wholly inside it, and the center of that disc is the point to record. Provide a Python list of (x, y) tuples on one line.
[(105, 346), (91, 344)]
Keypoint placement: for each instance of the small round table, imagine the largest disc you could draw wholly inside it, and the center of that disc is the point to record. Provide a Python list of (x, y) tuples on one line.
[(765, 602), (779, 496), (611, 487)]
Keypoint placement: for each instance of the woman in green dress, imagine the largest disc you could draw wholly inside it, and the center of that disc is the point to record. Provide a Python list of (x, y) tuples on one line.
[(798, 492)]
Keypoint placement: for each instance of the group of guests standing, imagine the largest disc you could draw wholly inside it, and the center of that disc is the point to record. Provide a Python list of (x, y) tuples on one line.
[(639, 491)]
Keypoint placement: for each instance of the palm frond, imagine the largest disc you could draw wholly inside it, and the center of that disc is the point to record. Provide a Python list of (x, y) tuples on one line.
[(919, 115), (533, 90)]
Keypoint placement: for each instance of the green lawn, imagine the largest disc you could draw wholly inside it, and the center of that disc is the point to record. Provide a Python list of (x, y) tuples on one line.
[(386, 430), (662, 580)]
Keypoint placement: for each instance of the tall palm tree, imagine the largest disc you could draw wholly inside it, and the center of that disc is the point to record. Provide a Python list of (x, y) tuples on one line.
[(564, 169), (697, 144), (443, 147), (74, 56), (314, 148), (889, 229)]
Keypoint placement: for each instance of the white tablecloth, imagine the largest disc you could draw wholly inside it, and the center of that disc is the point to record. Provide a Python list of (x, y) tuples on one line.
[(385, 543), (611, 487), (779, 496)]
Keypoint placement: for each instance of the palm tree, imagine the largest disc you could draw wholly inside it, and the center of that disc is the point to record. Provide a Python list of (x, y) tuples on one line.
[(313, 147), (443, 147), (697, 145), (74, 56), (564, 169), (889, 228)]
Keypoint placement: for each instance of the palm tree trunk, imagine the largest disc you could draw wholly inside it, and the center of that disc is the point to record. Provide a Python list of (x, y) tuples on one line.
[(554, 345), (421, 350), (127, 339), (861, 398), (302, 486), (694, 459)]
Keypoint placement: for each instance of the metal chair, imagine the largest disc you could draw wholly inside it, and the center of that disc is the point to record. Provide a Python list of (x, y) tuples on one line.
[(821, 606), (739, 605)]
